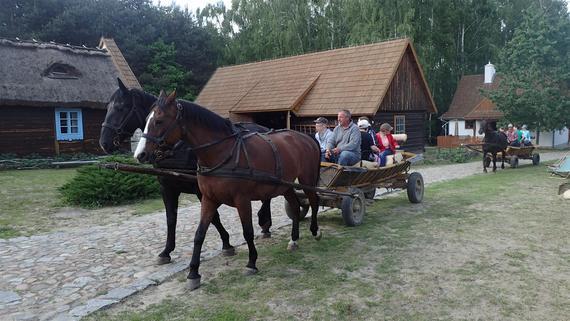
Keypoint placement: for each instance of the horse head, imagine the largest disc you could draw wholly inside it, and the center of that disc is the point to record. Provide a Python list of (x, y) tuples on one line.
[(125, 113), (162, 129)]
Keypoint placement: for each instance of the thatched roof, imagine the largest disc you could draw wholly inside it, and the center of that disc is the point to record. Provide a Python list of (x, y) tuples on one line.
[(468, 103), (316, 84), (48, 74)]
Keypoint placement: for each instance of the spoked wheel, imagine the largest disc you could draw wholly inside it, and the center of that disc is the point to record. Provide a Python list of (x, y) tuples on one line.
[(415, 188), (514, 161), (353, 208), (290, 212), (535, 159)]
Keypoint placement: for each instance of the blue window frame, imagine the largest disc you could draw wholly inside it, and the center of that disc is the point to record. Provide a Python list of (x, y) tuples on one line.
[(68, 124)]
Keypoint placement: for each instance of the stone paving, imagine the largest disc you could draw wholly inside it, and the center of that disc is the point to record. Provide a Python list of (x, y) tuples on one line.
[(68, 274)]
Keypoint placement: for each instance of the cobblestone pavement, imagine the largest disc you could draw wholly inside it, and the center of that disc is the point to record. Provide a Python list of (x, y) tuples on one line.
[(68, 274)]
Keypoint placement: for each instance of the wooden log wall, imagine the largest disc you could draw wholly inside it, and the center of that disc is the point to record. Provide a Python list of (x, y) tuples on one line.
[(416, 130), (31, 130)]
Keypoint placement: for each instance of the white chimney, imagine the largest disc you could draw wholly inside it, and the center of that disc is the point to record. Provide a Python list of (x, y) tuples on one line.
[(489, 73)]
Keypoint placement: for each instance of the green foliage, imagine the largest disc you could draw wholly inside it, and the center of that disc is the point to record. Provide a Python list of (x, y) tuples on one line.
[(535, 69), (448, 155), (164, 73), (96, 187), (12, 161)]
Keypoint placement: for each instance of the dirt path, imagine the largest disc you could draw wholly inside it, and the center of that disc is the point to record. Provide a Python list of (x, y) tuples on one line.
[(68, 274)]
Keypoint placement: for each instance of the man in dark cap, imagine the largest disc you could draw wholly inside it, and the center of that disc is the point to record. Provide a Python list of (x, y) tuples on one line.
[(322, 135)]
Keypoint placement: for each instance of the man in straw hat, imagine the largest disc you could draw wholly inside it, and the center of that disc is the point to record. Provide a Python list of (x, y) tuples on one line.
[(343, 147)]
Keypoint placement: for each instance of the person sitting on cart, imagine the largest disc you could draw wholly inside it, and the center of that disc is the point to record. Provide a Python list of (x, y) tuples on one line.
[(512, 136), (370, 130), (525, 139), (367, 147), (343, 147), (322, 135), (386, 143)]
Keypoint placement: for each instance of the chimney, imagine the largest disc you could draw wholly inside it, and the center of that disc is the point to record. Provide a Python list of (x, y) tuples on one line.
[(489, 73)]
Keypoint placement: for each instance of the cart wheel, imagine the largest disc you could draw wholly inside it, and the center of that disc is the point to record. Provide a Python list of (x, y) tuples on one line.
[(289, 210), (370, 194), (415, 188), (535, 159), (353, 208), (514, 161)]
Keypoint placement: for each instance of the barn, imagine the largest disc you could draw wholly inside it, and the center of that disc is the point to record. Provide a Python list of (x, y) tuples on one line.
[(383, 81), (53, 96)]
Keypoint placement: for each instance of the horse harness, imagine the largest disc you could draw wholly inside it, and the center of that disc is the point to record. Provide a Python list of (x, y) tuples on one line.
[(239, 146), (119, 129)]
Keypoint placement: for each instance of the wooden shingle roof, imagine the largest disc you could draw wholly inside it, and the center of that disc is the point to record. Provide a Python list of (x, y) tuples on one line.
[(316, 84), (468, 103)]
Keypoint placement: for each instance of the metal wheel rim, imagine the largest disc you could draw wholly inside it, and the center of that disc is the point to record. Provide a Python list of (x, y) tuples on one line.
[(419, 188), (356, 208)]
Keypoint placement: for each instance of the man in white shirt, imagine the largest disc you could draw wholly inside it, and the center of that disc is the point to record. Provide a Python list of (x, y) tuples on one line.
[(322, 135)]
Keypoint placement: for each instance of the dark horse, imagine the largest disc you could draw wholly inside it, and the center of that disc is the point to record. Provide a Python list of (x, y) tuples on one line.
[(235, 167), (127, 111), (494, 142)]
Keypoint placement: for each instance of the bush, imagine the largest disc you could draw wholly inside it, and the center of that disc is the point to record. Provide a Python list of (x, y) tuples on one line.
[(97, 187), (449, 155)]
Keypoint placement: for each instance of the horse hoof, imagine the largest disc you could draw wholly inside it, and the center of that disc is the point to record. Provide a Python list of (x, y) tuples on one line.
[(193, 284), (230, 251), (319, 235), (250, 271), (266, 235), (292, 247), (163, 260)]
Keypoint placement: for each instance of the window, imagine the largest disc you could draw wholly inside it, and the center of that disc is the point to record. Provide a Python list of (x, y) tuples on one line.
[(399, 124), (68, 124), (469, 124), (61, 71)]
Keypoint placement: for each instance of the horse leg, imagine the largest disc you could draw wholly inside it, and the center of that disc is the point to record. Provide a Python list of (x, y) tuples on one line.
[(503, 159), (244, 211), (264, 216), (170, 200), (484, 163), (494, 162), (209, 207), (292, 199), (227, 248), (314, 202)]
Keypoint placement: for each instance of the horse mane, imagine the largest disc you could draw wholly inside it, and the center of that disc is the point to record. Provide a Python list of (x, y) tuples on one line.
[(147, 99), (196, 113)]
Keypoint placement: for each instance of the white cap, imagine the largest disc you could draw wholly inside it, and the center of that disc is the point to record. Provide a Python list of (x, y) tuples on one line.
[(363, 123)]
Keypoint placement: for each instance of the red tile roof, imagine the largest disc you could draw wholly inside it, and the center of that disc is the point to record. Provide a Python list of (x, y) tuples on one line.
[(468, 103)]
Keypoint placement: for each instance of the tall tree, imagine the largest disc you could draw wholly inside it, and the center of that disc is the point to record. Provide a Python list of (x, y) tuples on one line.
[(535, 69)]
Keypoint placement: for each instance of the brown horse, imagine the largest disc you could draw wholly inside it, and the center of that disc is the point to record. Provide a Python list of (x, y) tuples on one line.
[(235, 167)]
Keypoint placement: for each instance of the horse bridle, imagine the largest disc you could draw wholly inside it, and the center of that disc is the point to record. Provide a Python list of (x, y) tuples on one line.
[(119, 129)]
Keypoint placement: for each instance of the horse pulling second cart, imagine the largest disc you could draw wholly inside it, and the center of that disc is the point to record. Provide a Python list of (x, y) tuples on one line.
[(512, 154), (348, 187)]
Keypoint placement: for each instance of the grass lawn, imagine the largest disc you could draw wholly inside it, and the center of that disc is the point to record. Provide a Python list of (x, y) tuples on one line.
[(488, 247), (30, 203)]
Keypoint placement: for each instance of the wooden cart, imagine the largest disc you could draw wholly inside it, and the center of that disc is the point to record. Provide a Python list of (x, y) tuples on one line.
[(361, 184), (512, 154)]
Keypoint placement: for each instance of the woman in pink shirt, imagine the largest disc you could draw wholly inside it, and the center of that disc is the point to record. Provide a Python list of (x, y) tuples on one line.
[(386, 143)]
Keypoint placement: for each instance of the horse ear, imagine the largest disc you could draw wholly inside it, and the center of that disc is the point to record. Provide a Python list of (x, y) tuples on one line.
[(171, 97), (122, 86), (162, 93)]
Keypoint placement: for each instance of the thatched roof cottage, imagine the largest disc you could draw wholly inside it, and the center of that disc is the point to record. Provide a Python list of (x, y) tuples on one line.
[(53, 97)]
